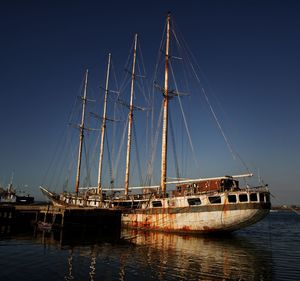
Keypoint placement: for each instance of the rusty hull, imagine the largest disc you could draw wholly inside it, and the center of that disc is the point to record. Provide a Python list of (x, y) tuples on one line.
[(197, 219)]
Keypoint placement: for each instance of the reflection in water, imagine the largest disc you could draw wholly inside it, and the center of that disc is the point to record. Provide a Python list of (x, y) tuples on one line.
[(267, 251), (70, 276), (209, 258), (90, 255)]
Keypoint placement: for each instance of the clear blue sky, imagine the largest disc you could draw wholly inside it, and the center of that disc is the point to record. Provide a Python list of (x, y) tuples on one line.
[(248, 50)]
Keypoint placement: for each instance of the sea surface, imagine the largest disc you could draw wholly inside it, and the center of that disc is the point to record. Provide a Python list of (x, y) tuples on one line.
[(268, 250)]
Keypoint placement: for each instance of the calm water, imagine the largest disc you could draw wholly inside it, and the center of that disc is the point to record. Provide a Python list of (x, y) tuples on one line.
[(269, 250)]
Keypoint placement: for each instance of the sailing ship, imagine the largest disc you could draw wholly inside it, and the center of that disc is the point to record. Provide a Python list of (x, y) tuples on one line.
[(201, 205)]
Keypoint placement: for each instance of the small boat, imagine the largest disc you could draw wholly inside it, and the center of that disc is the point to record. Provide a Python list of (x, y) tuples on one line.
[(11, 195), (199, 205)]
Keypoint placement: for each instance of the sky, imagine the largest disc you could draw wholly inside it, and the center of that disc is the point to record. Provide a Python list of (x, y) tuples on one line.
[(248, 51)]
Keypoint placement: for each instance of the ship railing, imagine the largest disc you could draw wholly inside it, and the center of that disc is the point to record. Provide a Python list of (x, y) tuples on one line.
[(261, 188)]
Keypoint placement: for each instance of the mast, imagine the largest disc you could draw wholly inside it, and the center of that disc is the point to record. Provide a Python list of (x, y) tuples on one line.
[(130, 117), (99, 191), (163, 176), (10, 186), (81, 135)]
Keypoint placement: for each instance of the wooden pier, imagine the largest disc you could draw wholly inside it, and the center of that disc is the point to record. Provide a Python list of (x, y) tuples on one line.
[(23, 216)]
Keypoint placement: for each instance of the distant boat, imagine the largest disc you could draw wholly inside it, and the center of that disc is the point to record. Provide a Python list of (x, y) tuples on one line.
[(11, 195), (201, 205)]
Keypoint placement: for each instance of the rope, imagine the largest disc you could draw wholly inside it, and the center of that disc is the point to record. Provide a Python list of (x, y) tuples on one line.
[(120, 147), (137, 151), (174, 147), (87, 180), (109, 163), (184, 120), (151, 161)]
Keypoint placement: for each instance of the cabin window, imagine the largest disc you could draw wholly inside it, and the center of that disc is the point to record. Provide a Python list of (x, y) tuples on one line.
[(214, 199), (194, 201), (268, 198), (261, 197), (156, 204), (232, 198), (243, 198), (253, 197)]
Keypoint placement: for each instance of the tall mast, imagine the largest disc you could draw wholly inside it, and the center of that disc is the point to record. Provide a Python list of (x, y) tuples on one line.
[(81, 128), (163, 176), (103, 128), (130, 116)]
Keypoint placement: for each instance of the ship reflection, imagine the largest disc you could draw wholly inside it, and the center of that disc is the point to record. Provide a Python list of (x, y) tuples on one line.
[(83, 242), (203, 258), (159, 256)]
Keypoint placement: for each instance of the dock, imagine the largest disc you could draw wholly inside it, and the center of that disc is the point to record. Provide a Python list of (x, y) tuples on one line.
[(24, 216)]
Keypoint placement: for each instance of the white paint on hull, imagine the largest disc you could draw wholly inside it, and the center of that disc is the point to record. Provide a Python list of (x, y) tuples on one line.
[(197, 222)]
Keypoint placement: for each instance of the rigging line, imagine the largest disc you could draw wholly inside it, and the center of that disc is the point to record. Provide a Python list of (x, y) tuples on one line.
[(183, 55), (184, 120), (137, 151), (234, 153), (114, 74), (70, 168), (174, 146), (125, 84), (126, 66), (281, 203), (111, 184), (87, 179), (217, 121), (142, 88), (190, 58), (54, 156), (94, 149), (143, 71), (59, 144), (58, 172), (114, 130), (154, 146), (153, 111), (120, 147), (64, 164), (159, 61), (147, 133), (68, 146), (55, 168), (154, 132)]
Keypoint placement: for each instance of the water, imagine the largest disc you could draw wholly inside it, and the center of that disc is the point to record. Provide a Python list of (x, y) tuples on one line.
[(269, 250)]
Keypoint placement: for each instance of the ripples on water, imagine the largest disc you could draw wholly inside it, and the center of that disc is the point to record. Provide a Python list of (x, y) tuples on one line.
[(269, 250)]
